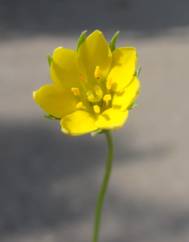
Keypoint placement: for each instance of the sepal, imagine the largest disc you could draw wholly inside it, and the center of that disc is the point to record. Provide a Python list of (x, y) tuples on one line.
[(82, 38), (49, 59), (51, 117), (114, 40), (95, 133)]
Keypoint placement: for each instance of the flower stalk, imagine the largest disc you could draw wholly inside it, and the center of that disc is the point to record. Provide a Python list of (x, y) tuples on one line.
[(103, 188)]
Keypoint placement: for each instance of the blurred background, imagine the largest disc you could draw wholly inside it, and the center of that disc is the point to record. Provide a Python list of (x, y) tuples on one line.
[(49, 181)]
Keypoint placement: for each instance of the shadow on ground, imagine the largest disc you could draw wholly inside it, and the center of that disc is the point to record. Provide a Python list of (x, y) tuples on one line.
[(146, 17), (145, 221), (45, 178)]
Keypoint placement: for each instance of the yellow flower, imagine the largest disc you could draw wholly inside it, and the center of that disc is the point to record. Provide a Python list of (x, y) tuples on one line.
[(92, 87)]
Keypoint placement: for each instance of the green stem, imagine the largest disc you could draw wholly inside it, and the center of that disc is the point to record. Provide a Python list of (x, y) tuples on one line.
[(104, 186)]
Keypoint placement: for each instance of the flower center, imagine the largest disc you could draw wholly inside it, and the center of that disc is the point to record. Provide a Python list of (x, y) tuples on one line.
[(99, 99), (94, 96)]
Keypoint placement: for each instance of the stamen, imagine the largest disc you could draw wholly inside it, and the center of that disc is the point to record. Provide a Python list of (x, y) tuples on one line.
[(80, 105), (75, 91), (97, 72), (109, 84), (107, 98), (98, 91), (90, 96), (96, 109)]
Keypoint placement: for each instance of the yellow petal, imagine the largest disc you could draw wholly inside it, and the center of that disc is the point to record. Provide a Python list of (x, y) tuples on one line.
[(78, 123), (54, 101), (111, 118), (94, 53), (123, 68), (64, 70), (128, 97)]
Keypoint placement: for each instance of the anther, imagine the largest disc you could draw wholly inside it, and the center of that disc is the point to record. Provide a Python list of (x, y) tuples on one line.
[(107, 98), (80, 105), (96, 109), (98, 91), (109, 84)]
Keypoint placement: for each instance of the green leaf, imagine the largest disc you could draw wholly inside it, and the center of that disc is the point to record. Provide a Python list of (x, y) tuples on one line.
[(49, 59), (51, 117), (114, 40), (81, 39)]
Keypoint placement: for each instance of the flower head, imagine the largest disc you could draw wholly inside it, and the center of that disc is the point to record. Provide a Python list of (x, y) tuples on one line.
[(92, 87)]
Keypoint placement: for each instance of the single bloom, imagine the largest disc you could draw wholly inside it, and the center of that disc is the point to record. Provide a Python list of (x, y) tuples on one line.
[(93, 88)]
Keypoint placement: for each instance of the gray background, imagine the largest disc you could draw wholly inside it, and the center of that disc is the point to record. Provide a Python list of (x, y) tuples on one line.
[(49, 181)]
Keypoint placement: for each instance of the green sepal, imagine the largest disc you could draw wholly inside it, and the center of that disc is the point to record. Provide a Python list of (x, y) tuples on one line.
[(98, 131), (51, 117), (82, 38), (132, 106), (114, 40), (138, 71), (49, 59)]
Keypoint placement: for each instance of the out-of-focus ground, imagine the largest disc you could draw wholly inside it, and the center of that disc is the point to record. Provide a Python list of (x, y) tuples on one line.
[(49, 181)]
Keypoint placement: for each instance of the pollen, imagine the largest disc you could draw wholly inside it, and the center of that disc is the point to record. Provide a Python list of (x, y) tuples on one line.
[(107, 98), (75, 91), (96, 109), (97, 72)]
